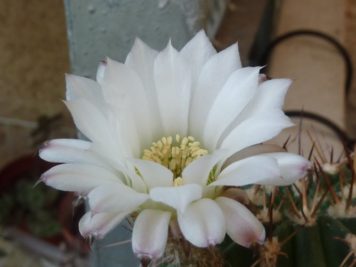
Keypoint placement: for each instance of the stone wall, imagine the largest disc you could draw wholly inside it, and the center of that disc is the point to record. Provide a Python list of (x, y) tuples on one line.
[(33, 60)]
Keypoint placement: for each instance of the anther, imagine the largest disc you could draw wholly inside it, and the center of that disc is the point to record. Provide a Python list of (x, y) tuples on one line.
[(174, 153)]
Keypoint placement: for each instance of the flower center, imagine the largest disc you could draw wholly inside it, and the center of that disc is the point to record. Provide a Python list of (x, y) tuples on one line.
[(178, 181), (174, 153)]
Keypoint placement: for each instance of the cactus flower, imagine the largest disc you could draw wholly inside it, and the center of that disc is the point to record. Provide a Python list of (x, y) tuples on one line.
[(159, 128)]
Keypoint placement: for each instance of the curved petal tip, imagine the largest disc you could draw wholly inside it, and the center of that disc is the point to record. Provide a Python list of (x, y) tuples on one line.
[(150, 233)]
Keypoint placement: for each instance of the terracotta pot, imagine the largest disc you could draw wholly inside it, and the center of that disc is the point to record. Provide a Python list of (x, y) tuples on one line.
[(20, 168), (29, 166)]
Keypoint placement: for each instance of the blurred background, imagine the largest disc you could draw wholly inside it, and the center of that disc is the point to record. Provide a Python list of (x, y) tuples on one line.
[(313, 42)]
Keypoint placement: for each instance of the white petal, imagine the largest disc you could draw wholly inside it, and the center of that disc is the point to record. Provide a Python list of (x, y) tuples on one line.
[(69, 151), (136, 181), (172, 78), (255, 130), (84, 224), (270, 95), (78, 177), (203, 223), (242, 225), (73, 143), (113, 153), (115, 198), (253, 170), (101, 71), (178, 197), (124, 91), (150, 233), (197, 52), (292, 166), (125, 130), (100, 126), (198, 171), (98, 225), (85, 116), (253, 151), (80, 87), (231, 100), (212, 77), (141, 59), (153, 173)]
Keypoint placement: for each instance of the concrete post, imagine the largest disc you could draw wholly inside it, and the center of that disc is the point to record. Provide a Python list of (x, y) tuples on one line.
[(100, 28)]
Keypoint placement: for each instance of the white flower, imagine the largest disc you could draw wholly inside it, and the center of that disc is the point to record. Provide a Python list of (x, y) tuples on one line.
[(160, 126)]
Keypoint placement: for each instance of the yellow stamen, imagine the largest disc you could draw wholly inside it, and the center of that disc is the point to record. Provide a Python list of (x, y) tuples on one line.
[(174, 153), (178, 181)]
